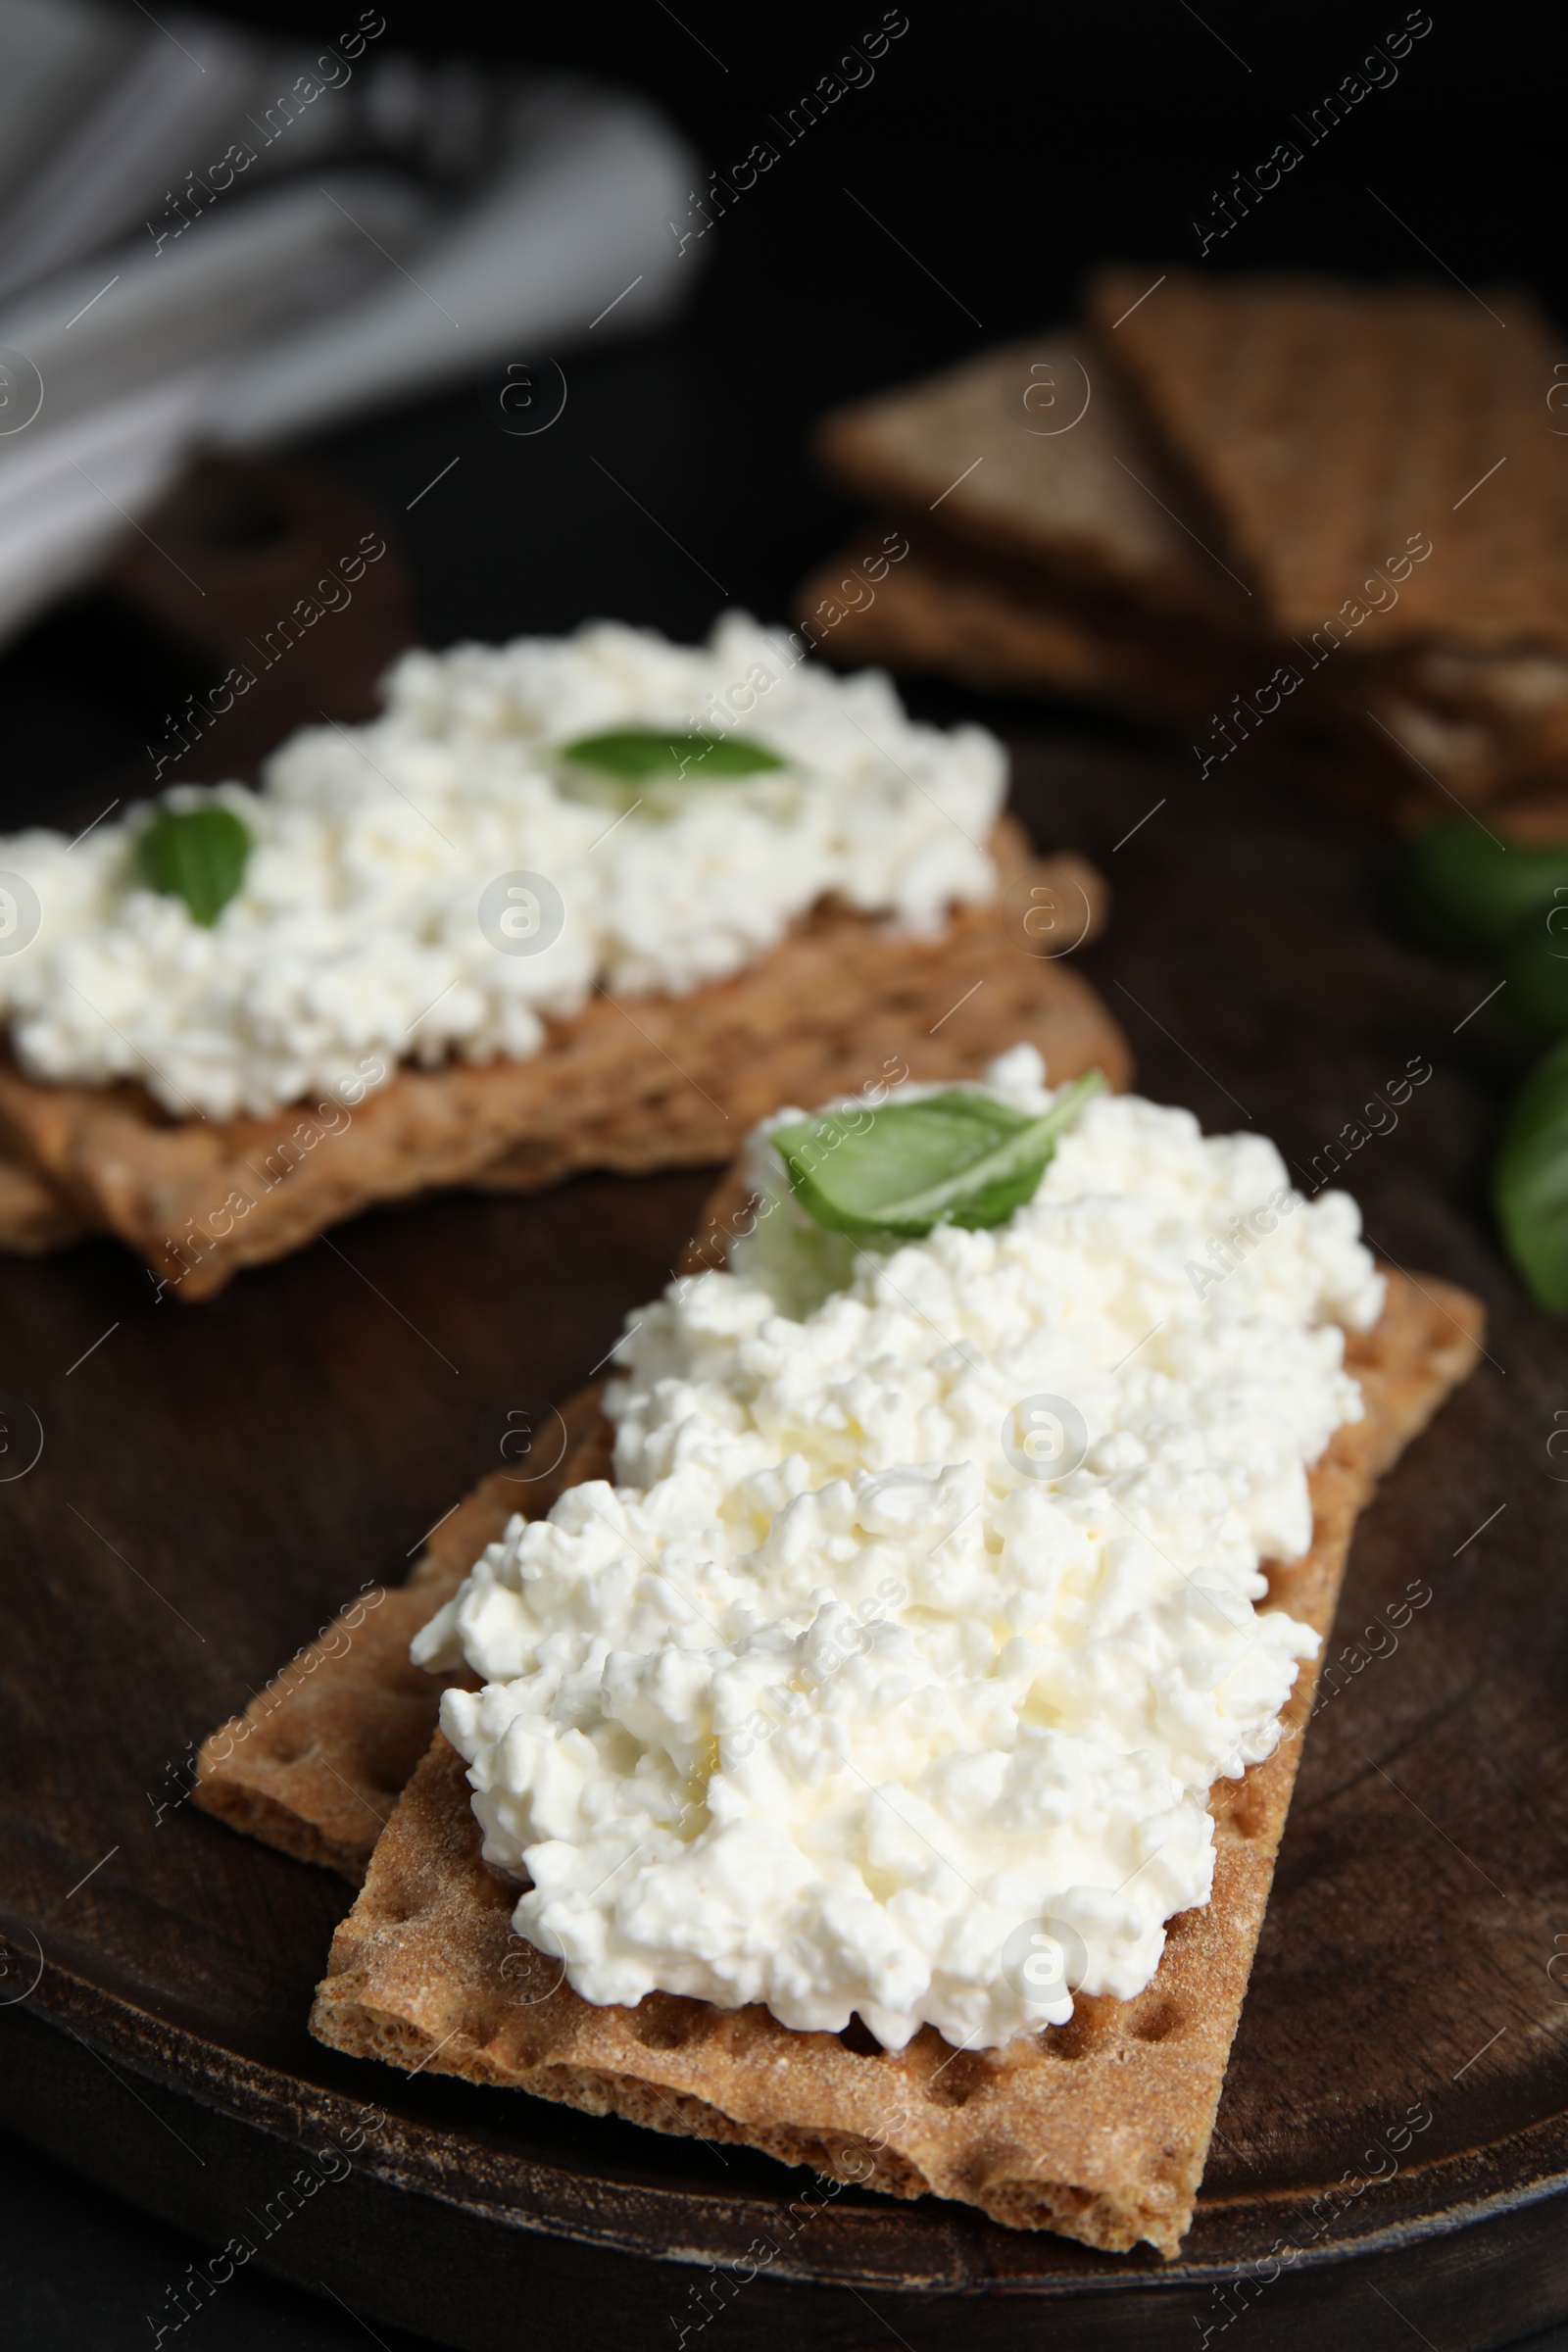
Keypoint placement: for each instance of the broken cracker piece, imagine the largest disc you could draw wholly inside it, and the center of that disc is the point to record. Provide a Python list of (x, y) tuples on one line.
[(1033, 451)]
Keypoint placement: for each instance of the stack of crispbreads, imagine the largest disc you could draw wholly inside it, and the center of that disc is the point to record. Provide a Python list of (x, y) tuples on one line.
[(1328, 523)]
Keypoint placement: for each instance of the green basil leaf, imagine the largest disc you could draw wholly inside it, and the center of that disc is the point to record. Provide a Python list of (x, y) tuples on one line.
[(1459, 891), (958, 1157), (646, 755), (197, 855), (1530, 1180)]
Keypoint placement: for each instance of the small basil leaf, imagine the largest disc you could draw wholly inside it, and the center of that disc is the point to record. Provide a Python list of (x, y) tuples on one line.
[(646, 755), (958, 1157), (197, 855), (1458, 890), (1530, 1180)]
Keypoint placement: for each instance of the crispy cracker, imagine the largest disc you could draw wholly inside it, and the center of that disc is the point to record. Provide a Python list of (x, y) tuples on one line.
[(665, 1081), (1088, 504), (1097, 2128), (943, 609), (1326, 427)]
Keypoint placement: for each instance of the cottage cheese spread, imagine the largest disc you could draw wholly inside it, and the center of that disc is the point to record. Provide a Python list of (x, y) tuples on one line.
[(827, 1701), (355, 931)]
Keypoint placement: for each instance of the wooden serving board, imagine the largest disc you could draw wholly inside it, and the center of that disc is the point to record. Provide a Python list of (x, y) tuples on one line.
[(214, 1482)]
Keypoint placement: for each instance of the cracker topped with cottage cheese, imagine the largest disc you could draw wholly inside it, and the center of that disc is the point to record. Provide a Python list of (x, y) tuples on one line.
[(356, 939), (923, 1614)]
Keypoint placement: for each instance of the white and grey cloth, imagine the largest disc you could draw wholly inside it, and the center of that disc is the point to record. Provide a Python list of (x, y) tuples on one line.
[(209, 237)]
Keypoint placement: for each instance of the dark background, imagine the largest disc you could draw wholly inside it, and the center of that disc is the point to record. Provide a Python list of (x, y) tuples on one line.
[(1002, 154)]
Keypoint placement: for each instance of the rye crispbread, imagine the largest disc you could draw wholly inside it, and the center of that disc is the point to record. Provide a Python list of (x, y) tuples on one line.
[(1325, 426), (940, 608), (1097, 2128), (992, 446), (657, 1082)]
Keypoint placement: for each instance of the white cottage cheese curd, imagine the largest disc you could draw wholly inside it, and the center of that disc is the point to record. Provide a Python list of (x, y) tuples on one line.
[(355, 931), (825, 1698)]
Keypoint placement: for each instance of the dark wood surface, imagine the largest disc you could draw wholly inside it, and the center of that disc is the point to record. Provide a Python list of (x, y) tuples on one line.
[(215, 1480)]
